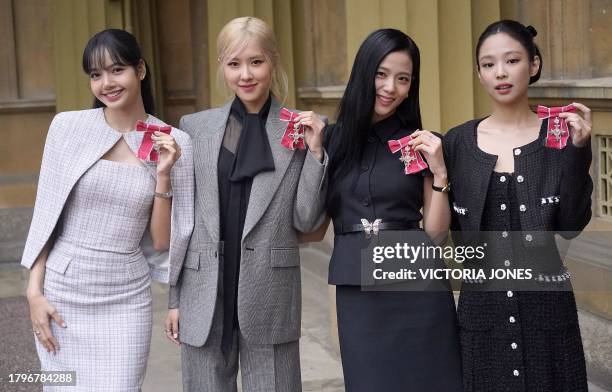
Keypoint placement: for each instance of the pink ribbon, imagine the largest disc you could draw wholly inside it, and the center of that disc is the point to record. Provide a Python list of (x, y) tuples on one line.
[(557, 133), (294, 133), (413, 160), (146, 151)]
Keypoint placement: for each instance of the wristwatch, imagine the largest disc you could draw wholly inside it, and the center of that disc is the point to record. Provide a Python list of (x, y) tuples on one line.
[(444, 189)]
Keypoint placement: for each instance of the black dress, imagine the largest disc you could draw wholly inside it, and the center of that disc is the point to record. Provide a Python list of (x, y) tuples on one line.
[(389, 340), (526, 336)]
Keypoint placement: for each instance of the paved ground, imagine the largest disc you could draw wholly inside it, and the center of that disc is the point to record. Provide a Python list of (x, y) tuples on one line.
[(321, 369)]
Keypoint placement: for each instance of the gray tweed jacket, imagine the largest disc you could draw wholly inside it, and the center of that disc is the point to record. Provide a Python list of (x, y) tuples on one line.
[(282, 202), (75, 141)]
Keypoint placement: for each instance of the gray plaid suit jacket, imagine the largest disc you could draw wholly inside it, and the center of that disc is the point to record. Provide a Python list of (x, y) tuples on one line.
[(75, 141), (282, 202)]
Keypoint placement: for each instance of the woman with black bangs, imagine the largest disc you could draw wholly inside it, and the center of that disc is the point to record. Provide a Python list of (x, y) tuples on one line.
[(389, 340), (509, 186), (114, 182)]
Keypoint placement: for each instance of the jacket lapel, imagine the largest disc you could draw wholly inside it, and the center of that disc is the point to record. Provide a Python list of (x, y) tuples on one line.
[(206, 150), (265, 184)]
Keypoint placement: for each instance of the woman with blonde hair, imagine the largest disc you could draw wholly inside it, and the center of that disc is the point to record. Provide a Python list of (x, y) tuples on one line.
[(260, 178)]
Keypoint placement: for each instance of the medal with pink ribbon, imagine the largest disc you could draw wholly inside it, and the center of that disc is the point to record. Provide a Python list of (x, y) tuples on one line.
[(146, 151), (293, 137), (413, 160), (557, 132)]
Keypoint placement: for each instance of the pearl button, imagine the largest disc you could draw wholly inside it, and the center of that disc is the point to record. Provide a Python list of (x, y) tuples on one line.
[(522, 208), (504, 234), (514, 345), (510, 294), (507, 263), (517, 151), (502, 178), (529, 237), (520, 178), (512, 319), (503, 207), (515, 372)]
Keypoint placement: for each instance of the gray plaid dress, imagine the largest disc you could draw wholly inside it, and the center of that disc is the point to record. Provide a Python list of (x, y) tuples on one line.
[(98, 279)]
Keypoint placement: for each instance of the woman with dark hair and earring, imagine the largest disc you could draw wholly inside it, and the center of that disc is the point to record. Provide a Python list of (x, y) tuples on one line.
[(390, 340), (514, 193), (114, 180)]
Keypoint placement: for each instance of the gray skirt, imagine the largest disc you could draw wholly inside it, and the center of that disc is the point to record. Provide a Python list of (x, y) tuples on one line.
[(105, 300)]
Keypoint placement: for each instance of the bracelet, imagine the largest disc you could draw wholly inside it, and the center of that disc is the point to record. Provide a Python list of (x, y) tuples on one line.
[(164, 195)]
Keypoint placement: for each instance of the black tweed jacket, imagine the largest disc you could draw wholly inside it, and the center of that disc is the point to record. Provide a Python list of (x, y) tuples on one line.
[(553, 185)]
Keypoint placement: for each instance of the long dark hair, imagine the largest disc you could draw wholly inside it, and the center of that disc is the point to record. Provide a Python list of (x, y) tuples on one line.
[(518, 31), (123, 49), (357, 104)]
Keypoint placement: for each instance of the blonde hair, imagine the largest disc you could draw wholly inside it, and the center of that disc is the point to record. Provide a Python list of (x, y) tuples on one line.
[(235, 36)]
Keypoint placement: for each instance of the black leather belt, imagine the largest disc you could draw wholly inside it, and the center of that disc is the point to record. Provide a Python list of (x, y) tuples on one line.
[(373, 227)]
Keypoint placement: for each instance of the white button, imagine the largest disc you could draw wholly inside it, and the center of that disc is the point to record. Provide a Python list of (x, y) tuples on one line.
[(515, 372), (510, 294), (513, 345), (504, 234), (517, 151), (502, 178), (512, 319), (503, 207), (522, 208), (520, 178), (507, 263), (529, 237)]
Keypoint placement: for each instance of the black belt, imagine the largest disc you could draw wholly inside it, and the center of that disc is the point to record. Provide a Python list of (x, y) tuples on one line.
[(373, 227)]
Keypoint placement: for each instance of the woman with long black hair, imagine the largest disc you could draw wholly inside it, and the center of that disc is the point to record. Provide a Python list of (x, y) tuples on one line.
[(392, 339), (113, 181)]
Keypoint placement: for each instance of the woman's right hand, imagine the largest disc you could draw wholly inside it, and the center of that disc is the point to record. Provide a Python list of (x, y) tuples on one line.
[(172, 326), (40, 313)]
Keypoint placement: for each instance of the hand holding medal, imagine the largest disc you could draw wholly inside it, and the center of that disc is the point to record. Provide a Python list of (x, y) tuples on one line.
[(430, 146), (580, 125)]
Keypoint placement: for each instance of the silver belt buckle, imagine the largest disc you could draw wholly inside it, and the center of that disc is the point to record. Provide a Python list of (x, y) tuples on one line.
[(370, 227)]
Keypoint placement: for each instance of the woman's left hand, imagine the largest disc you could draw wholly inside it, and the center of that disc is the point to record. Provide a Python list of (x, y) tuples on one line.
[(580, 126), (313, 132), (431, 147), (169, 152)]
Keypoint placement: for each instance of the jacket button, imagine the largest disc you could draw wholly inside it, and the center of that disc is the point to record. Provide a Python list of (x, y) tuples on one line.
[(510, 294), (515, 372), (520, 178), (512, 320), (529, 237), (502, 178), (507, 263), (517, 152), (514, 345), (502, 207), (522, 208), (504, 234)]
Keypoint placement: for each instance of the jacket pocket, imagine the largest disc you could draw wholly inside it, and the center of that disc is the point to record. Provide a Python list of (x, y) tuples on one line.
[(58, 262), (285, 257), (192, 260)]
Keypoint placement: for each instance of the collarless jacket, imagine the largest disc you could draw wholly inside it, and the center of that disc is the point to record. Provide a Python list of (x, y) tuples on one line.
[(553, 186), (75, 141), (282, 202)]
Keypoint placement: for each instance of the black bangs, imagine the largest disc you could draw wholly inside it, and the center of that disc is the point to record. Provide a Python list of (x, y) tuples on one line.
[(95, 59)]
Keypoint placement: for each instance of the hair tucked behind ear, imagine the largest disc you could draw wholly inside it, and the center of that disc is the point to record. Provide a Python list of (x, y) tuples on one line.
[(123, 49), (523, 34)]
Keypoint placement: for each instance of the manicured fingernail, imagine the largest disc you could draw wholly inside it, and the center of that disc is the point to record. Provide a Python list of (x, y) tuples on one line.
[(175, 335), (64, 325)]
